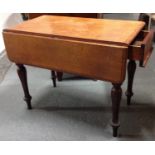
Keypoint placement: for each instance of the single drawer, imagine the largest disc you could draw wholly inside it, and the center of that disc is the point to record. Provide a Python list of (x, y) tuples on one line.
[(142, 47)]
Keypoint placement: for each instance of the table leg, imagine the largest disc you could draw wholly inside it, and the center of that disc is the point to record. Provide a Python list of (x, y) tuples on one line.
[(21, 70), (59, 76), (131, 72), (116, 94), (53, 77)]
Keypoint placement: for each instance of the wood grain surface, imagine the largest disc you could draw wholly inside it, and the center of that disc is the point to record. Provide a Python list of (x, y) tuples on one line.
[(99, 61), (118, 32)]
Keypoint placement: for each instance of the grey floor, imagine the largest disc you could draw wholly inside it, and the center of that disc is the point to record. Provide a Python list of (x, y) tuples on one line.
[(78, 109), (4, 65)]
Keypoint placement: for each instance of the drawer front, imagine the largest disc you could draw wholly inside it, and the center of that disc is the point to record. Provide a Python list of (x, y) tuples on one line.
[(142, 47), (97, 61)]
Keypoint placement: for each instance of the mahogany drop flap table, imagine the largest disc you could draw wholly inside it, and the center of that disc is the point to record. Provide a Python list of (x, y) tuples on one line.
[(96, 48)]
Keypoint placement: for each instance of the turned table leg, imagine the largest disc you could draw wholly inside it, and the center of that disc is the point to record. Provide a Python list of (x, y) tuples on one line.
[(21, 70), (59, 76), (116, 94), (131, 72), (53, 77)]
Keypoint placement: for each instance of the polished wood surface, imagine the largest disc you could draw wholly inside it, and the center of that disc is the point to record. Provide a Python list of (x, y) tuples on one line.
[(116, 94), (142, 47), (118, 32), (22, 73), (59, 76), (98, 61), (86, 15), (131, 72)]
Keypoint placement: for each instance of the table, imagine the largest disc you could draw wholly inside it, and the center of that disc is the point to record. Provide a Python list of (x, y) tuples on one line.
[(96, 48)]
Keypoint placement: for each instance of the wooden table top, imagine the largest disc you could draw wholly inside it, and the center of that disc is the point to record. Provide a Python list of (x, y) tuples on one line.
[(119, 32)]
